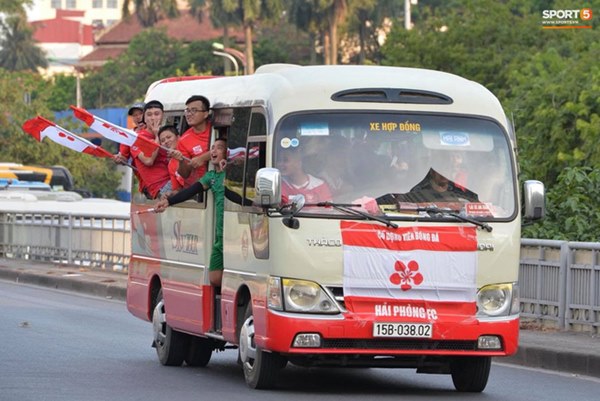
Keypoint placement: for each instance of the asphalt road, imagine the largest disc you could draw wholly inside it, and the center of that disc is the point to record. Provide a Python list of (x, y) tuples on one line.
[(70, 347)]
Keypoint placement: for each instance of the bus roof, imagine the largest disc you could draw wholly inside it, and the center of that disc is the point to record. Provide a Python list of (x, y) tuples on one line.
[(287, 88)]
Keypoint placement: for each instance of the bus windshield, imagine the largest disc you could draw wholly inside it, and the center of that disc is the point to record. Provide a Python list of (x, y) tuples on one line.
[(405, 162)]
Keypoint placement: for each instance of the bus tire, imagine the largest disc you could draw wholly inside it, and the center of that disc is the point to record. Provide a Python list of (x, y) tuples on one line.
[(199, 351), (261, 368), (171, 345), (470, 374)]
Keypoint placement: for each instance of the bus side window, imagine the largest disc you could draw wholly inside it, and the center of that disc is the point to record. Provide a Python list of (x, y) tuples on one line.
[(255, 153), (236, 143)]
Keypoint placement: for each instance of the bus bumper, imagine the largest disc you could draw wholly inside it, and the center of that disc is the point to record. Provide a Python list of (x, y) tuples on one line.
[(349, 334)]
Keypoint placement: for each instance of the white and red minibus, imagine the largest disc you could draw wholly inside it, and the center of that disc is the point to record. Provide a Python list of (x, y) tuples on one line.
[(410, 261)]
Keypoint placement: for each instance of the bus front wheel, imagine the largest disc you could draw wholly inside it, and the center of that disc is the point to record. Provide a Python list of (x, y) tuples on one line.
[(261, 368), (470, 374), (171, 346)]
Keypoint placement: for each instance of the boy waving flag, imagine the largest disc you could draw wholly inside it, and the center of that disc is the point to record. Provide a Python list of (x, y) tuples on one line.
[(115, 132), (40, 128)]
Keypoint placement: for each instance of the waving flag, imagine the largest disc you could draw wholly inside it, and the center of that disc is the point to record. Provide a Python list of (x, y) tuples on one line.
[(240, 153), (40, 128), (433, 266), (115, 132)]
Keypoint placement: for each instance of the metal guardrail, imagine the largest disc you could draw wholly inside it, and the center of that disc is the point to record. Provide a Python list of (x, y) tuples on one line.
[(559, 280), (101, 241), (560, 284)]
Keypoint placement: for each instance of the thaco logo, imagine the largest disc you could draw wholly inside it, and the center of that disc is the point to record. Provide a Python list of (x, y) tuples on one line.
[(567, 19)]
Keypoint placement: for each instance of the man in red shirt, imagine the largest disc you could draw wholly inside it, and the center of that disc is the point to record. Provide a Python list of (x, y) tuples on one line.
[(136, 111), (295, 181), (194, 143), (169, 137), (154, 174)]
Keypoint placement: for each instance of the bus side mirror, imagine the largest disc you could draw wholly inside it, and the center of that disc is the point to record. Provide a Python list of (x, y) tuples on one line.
[(268, 187), (534, 200)]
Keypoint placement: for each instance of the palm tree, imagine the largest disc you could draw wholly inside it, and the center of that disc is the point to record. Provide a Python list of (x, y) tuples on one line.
[(324, 17), (14, 6), (368, 17), (149, 12), (252, 11), (306, 16), (336, 13), (18, 50), (223, 14)]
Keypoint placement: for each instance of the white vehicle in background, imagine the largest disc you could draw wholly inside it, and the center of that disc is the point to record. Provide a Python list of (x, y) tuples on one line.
[(387, 272)]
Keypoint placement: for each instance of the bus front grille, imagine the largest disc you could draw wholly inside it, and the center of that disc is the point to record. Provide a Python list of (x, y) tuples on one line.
[(405, 345)]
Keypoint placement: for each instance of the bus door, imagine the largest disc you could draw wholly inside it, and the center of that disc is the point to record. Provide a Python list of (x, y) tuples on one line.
[(246, 231)]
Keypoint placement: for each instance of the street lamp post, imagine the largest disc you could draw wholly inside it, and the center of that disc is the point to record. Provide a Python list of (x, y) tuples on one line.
[(230, 58), (233, 52), (78, 97)]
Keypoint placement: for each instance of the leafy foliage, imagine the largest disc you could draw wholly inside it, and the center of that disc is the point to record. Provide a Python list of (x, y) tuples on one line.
[(548, 81), (14, 6), (30, 99), (573, 207), (149, 12), (467, 40), (63, 90), (151, 56)]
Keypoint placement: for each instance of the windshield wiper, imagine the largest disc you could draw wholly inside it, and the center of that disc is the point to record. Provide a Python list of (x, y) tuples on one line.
[(349, 208), (431, 210)]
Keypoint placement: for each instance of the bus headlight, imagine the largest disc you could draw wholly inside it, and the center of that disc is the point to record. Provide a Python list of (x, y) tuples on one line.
[(306, 296), (496, 299)]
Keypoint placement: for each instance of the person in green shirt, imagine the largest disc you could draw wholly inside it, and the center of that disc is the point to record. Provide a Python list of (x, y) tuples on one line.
[(213, 180)]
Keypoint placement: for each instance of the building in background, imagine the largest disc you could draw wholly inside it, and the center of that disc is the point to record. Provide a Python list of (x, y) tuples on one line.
[(65, 39), (98, 13), (66, 29), (187, 28)]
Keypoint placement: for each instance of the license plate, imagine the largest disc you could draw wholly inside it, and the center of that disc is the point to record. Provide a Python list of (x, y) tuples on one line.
[(413, 330)]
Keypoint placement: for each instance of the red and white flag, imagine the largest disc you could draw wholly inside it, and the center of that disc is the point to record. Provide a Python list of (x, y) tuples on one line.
[(115, 132), (237, 153), (410, 265), (40, 128)]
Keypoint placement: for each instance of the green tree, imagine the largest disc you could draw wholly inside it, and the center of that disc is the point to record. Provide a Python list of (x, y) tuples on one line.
[(197, 58), (18, 50), (282, 43), (223, 14), (322, 18), (151, 56), (252, 11), (554, 103), (573, 208), (335, 12), (478, 39), (14, 6), (308, 17), (24, 95), (63, 90), (366, 19), (547, 80), (149, 12)]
